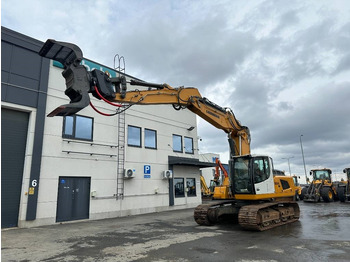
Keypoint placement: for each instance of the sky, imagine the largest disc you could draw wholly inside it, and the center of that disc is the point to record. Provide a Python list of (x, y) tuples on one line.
[(283, 67)]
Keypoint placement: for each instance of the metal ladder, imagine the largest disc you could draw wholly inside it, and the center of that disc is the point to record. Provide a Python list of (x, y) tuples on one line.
[(121, 136), (121, 156)]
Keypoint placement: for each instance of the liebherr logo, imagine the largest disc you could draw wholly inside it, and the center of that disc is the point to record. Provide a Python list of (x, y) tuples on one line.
[(213, 114)]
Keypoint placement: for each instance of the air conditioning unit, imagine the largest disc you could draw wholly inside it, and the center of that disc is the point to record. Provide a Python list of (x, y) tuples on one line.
[(167, 174), (129, 173)]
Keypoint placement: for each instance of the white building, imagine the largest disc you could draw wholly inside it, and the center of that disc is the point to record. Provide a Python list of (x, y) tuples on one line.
[(71, 168)]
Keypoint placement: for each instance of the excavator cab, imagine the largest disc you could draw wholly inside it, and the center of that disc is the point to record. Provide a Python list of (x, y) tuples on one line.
[(251, 175)]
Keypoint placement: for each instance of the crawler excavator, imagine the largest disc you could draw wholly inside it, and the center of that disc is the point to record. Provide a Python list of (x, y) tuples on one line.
[(215, 185), (205, 190), (260, 200)]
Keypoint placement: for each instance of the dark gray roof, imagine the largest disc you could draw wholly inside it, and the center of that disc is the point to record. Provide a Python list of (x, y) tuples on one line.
[(186, 161)]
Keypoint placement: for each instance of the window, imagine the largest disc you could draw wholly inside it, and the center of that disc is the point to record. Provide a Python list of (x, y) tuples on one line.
[(179, 187), (241, 177), (78, 127), (191, 187), (134, 136), (177, 143), (150, 138), (285, 184), (188, 145), (261, 170), (322, 174)]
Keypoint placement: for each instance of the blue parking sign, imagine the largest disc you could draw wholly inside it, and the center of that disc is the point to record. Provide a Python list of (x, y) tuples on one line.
[(147, 169)]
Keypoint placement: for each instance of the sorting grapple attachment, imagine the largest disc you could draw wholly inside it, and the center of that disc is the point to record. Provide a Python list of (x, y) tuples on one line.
[(78, 83)]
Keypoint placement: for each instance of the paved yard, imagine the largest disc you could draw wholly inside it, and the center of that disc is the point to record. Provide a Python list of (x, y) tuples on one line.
[(322, 234)]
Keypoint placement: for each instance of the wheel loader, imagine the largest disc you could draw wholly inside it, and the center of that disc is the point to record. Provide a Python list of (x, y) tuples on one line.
[(297, 188), (343, 189), (260, 200), (321, 187)]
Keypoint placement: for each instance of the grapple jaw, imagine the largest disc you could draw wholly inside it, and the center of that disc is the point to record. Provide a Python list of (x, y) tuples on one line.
[(78, 79)]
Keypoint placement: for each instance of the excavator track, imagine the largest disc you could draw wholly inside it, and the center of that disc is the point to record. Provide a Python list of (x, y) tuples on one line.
[(201, 215), (210, 214), (261, 217)]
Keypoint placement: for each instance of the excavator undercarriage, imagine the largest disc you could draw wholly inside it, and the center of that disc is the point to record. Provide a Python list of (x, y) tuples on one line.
[(253, 216)]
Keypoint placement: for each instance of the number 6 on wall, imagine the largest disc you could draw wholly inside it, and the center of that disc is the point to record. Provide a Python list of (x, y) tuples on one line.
[(34, 183)]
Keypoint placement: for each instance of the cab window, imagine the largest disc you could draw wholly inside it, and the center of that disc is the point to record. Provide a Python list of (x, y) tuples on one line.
[(242, 178), (261, 170)]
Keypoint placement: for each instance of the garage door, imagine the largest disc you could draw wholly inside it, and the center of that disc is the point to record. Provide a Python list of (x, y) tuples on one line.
[(14, 127)]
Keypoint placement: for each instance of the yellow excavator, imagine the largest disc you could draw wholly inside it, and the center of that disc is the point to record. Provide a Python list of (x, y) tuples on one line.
[(259, 200), (213, 191), (205, 190), (221, 191)]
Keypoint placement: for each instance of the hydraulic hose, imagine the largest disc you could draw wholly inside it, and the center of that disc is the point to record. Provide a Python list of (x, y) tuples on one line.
[(104, 99), (98, 111)]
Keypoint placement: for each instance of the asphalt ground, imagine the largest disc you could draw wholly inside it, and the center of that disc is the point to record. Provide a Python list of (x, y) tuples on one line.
[(321, 234)]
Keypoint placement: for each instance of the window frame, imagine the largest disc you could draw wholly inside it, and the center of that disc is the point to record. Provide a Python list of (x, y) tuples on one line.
[(139, 146), (264, 168), (73, 136), (183, 187), (181, 146), (192, 194), (155, 138), (192, 149)]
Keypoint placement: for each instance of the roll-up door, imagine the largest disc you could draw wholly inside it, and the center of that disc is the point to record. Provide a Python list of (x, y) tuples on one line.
[(14, 128)]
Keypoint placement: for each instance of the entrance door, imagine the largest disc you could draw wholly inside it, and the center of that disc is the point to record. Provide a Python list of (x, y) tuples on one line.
[(171, 192), (73, 199), (14, 128)]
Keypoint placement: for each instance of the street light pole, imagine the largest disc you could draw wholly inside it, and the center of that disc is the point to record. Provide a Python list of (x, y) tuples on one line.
[(302, 152), (290, 173)]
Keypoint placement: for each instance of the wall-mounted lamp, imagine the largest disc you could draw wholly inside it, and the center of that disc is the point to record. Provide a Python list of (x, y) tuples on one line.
[(190, 128)]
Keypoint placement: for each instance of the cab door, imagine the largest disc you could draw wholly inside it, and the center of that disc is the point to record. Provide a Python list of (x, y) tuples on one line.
[(262, 175)]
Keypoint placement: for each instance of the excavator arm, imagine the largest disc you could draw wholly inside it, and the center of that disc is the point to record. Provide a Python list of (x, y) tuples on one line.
[(80, 83)]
